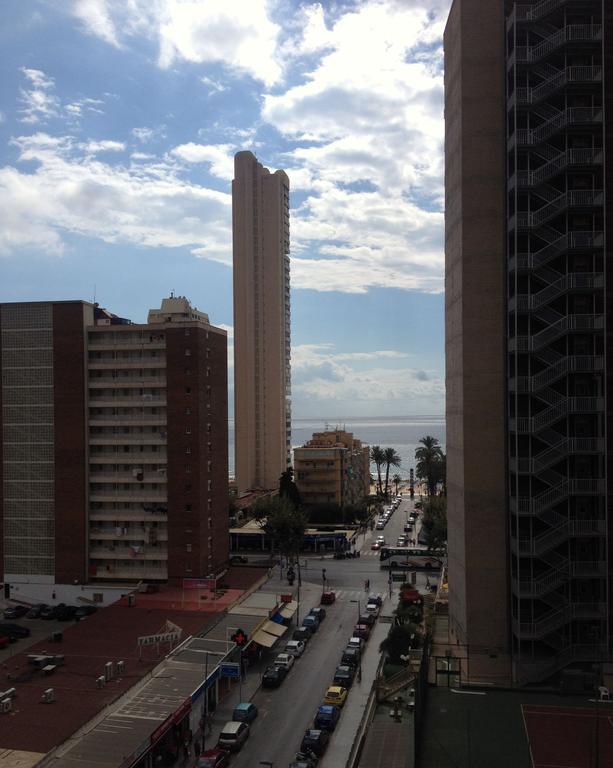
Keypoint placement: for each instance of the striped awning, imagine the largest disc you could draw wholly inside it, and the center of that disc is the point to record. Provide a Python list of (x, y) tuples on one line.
[(274, 629), (263, 638), (289, 609)]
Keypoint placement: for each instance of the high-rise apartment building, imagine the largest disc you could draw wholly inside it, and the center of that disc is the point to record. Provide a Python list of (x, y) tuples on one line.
[(332, 467), (262, 410), (114, 445), (529, 109)]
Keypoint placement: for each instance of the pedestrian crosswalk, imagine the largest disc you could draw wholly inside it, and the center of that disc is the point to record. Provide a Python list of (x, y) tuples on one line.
[(349, 594)]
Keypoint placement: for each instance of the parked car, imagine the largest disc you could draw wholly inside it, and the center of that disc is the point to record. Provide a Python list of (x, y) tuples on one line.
[(362, 631), (233, 735), (285, 660), (16, 630), (311, 622), (274, 676), (344, 675), (327, 598), (302, 633), (85, 610), (319, 613), (295, 647), (327, 717), (238, 560), (214, 758), (380, 525), (408, 527), (245, 712), (66, 612), (35, 611), (372, 608), (315, 739), (50, 611), (303, 760), (16, 612), (367, 618), (351, 656), (355, 642), (336, 695), (378, 599)]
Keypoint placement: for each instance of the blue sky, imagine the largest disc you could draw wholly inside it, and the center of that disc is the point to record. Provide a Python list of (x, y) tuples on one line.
[(118, 123)]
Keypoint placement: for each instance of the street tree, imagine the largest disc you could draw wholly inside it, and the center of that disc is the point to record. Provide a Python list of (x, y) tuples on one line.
[(283, 524), (390, 459), (396, 480), (428, 459), (288, 488), (377, 457), (434, 524)]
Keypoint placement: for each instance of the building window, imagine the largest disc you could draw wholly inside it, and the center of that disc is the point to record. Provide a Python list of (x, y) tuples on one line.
[(188, 430), (188, 487), (210, 446), (188, 449), (208, 352), (188, 507), (188, 352), (208, 371), (188, 547), (209, 465), (188, 371), (210, 522), (210, 503), (209, 485), (188, 469), (188, 411), (208, 428), (187, 331), (188, 390)]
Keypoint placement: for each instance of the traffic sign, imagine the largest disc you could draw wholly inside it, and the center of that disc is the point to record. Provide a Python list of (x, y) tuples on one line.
[(230, 670)]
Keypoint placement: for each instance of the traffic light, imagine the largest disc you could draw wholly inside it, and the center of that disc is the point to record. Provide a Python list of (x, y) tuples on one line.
[(240, 638)]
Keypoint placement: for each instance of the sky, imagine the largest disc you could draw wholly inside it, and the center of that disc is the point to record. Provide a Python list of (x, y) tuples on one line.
[(119, 120)]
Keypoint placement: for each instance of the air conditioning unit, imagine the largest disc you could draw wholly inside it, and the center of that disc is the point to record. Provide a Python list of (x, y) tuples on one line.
[(48, 696), (121, 665), (109, 670), (6, 705), (100, 682)]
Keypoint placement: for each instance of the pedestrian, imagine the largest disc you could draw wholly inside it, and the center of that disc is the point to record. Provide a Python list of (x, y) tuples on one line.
[(185, 749), (197, 749)]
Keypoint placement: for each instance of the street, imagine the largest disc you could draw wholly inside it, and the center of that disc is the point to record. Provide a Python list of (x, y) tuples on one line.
[(286, 712)]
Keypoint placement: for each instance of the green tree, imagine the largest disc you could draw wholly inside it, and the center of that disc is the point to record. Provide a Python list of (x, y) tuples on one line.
[(288, 488), (434, 524), (399, 640), (283, 524), (396, 480), (377, 457), (429, 457), (324, 513), (390, 459)]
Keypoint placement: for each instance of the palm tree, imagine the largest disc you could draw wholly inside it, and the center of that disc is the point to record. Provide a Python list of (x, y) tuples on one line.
[(429, 458), (396, 480), (391, 459), (377, 457)]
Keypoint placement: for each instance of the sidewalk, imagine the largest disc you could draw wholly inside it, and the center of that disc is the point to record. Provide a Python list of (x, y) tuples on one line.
[(349, 727)]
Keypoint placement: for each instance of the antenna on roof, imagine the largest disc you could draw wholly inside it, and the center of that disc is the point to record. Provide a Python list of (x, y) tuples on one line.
[(172, 294), (94, 301)]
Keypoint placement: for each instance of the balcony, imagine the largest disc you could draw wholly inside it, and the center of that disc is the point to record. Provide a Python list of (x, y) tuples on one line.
[(141, 495), (127, 440), (137, 458), (138, 552), (158, 476), (559, 80), (127, 382), (139, 572), (126, 515), (127, 419), (121, 401), (136, 534), (145, 364), (571, 33)]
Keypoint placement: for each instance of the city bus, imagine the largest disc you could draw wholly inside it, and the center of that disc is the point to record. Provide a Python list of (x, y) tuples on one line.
[(407, 557)]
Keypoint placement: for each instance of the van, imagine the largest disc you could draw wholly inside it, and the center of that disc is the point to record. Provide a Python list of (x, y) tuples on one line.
[(233, 735)]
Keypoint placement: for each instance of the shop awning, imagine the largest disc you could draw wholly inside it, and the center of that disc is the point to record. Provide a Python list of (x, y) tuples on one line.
[(274, 629), (289, 609), (263, 638)]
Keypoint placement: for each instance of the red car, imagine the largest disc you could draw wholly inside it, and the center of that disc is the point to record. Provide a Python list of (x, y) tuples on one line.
[(327, 598), (375, 545), (362, 631), (214, 758)]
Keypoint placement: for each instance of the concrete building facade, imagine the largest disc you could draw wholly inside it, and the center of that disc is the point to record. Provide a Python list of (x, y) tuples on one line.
[(114, 445), (528, 92), (332, 467), (262, 376)]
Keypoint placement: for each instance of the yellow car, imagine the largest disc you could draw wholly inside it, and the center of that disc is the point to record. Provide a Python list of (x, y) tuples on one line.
[(335, 694)]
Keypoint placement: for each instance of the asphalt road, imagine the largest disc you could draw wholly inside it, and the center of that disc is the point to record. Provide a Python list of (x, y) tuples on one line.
[(286, 712)]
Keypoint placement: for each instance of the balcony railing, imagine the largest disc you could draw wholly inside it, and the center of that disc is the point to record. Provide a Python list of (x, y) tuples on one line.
[(559, 80)]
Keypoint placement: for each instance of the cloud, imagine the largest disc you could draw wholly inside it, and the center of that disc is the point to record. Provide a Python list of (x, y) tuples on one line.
[(214, 86), (219, 157), (107, 145), (320, 374), (71, 191), (146, 134), (38, 100), (366, 123), (95, 18), (240, 36)]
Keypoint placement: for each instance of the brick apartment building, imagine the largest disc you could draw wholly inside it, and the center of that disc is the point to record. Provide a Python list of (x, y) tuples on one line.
[(114, 447)]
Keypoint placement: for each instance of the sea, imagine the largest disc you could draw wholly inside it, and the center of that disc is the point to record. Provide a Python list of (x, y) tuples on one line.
[(401, 433)]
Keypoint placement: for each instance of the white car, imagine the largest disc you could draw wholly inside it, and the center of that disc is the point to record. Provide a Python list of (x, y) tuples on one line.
[(295, 648), (372, 609), (284, 660), (355, 642), (381, 539)]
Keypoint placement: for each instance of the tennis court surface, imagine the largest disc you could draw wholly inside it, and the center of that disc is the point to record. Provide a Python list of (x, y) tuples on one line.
[(570, 737)]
